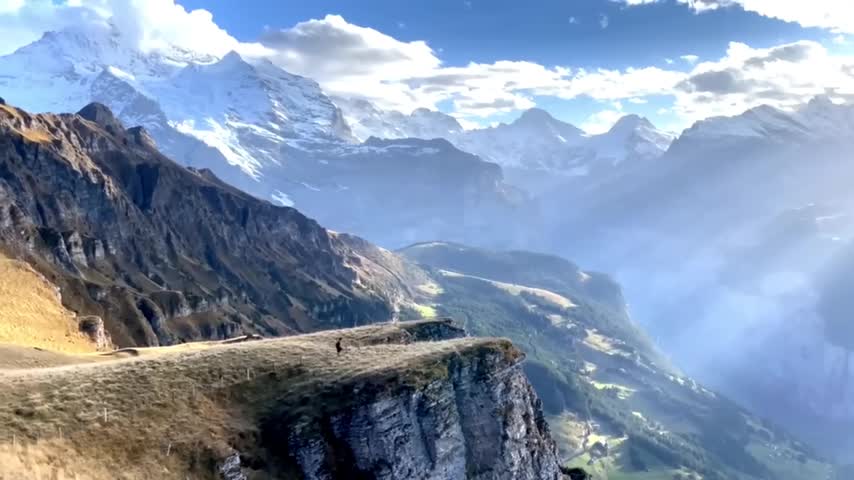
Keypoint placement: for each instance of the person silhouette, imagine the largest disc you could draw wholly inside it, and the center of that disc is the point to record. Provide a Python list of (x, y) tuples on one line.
[(338, 347)]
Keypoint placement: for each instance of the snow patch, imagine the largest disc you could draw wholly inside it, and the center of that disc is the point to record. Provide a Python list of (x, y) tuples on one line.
[(282, 199)]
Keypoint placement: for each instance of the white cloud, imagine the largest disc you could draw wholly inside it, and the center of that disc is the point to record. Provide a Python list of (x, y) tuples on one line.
[(840, 39), (784, 77), (23, 22), (10, 6), (605, 84), (348, 59), (637, 2), (573, 21), (357, 61), (604, 21), (601, 122), (148, 24), (834, 15), (161, 23)]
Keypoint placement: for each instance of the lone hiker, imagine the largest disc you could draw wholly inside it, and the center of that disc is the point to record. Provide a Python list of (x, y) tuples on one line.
[(338, 346)]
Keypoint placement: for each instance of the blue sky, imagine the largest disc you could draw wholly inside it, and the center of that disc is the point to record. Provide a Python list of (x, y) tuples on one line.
[(492, 30), (484, 61)]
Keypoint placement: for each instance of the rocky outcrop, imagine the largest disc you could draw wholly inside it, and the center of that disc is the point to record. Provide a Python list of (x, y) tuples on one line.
[(481, 422), (93, 328), (165, 254), (470, 415)]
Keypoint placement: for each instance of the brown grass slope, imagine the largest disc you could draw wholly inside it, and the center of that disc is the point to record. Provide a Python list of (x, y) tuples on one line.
[(166, 254), (170, 412), (31, 313)]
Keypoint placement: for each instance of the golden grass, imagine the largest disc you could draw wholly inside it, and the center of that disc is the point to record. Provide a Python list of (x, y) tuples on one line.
[(152, 415), (431, 289), (31, 313), (569, 431), (623, 392), (426, 311), (514, 289), (10, 110), (17, 357), (53, 459), (36, 135), (602, 343)]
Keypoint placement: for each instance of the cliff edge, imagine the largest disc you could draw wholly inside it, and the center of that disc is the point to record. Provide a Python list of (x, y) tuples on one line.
[(401, 401)]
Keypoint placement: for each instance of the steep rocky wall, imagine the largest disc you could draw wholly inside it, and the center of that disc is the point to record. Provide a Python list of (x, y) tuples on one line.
[(480, 421), (164, 254)]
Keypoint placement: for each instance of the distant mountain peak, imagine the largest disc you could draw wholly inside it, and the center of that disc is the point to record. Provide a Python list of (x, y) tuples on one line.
[(535, 116), (101, 115), (631, 122), (823, 100)]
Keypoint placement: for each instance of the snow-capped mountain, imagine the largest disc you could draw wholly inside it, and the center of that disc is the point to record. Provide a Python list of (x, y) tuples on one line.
[(536, 141), (820, 119), (269, 132), (366, 121)]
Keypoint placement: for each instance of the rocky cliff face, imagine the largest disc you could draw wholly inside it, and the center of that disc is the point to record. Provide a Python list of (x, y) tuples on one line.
[(163, 253), (480, 421)]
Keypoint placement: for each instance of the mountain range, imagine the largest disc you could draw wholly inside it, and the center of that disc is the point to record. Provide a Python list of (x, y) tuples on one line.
[(532, 150)]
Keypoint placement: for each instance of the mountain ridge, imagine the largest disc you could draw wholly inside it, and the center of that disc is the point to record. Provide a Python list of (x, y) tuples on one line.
[(534, 142), (164, 253)]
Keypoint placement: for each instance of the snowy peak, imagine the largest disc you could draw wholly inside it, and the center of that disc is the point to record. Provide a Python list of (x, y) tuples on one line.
[(427, 122), (535, 117), (231, 63), (631, 137), (367, 120), (247, 110), (546, 124), (820, 119), (631, 123), (535, 141)]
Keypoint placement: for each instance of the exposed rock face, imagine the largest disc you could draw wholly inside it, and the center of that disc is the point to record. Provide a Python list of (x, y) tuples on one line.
[(93, 327), (481, 421), (230, 468), (435, 330), (162, 253)]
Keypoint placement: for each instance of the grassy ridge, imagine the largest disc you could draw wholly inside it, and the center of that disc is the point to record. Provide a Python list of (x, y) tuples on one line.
[(169, 412)]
